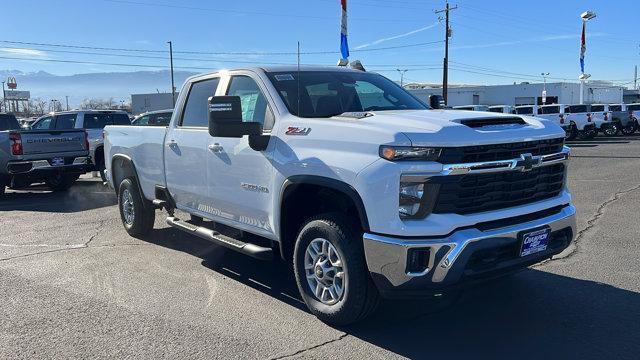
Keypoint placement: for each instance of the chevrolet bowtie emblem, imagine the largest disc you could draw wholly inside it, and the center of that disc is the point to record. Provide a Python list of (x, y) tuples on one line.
[(528, 162)]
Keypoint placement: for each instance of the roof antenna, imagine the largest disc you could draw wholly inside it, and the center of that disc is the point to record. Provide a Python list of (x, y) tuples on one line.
[(299, 114)]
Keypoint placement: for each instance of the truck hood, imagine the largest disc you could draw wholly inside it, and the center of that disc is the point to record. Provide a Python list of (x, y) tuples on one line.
[(460, 128)]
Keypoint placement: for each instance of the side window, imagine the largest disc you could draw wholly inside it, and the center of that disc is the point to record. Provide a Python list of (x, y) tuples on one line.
[(143, 120), (597, 108), (43, 124), (161, 119), (96, 121), (196, 108), (65, 121), (254, 104)]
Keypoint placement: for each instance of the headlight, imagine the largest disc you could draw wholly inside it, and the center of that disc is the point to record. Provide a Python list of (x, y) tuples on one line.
[(393, 153)]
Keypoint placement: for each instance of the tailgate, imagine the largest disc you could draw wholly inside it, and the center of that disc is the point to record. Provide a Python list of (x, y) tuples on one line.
[(52, 141)]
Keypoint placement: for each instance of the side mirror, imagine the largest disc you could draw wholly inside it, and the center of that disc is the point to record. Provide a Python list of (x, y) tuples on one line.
[(225, 118), (436, 102)]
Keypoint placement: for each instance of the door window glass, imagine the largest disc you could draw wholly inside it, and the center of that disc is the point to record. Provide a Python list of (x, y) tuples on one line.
[(196, 109), (65, 121), (254, 104)]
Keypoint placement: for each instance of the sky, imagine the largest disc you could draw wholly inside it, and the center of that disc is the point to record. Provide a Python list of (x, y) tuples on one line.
[(493, 42)]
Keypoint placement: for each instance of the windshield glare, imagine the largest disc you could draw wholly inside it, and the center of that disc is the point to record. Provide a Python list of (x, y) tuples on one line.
[(330, 93)]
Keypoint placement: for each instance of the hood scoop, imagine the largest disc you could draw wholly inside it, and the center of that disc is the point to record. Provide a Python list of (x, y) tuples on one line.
[(500, 121)]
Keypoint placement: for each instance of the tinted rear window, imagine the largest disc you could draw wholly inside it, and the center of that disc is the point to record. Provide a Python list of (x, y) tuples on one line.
[(8, 122), (577, 109), (597, 107), (100, 120), (615, 107), (65, 121), (634, 107), (550, 110), (524, 110)]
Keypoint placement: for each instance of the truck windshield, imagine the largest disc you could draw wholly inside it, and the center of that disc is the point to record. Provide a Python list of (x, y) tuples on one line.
[(331, 93)]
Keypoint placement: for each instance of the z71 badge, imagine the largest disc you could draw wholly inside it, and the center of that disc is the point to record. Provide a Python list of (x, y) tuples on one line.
[(293, 130)]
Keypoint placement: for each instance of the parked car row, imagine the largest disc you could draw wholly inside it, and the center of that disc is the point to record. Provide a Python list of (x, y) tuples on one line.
[(59, 147), (578, 121)]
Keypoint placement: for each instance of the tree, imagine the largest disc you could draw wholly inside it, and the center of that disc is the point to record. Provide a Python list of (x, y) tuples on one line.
[(97, 104)]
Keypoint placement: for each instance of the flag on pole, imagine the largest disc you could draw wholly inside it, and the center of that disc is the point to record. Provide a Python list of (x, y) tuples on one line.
[(344, 46), (583, 46)]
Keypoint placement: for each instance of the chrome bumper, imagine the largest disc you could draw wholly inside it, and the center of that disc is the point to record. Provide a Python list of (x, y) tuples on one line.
[(31, 166), (387, 256)]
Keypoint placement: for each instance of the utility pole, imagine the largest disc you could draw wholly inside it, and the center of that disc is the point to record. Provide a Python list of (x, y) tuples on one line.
[(3, 99), (402, 71), (67, 97), (635, 78), (173, 86), (447, 35), (544, 88)]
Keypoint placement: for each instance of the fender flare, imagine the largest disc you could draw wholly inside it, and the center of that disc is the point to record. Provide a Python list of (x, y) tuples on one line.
[(135, 172)]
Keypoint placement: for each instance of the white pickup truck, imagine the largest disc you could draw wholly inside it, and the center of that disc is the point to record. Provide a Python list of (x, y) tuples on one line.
[(361, 186)]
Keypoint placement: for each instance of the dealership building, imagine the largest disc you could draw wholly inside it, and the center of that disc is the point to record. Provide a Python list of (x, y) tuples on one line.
[(595, 92)]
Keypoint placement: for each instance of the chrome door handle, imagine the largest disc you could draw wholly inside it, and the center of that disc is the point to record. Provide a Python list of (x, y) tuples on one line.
[(216, 148)]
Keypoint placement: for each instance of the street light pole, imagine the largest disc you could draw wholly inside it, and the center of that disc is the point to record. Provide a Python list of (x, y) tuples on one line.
[(173, 86), (585, 16), (402, 72)]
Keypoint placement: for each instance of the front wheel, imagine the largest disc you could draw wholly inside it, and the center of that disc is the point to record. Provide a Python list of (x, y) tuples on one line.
[(61, 182), (137, 213), (611, 130), (331, 271)]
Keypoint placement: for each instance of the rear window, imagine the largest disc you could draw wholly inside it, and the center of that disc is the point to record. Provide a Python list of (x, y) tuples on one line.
[(634, 107), (597, 108), (65, 121), (160, 119), (550, 110), (577, 109), (495, 109), (615, 107), (100, 120), (8, 122), (524, 110)]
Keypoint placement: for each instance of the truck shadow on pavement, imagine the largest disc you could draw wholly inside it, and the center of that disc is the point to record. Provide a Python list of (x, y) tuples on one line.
[(532, 314), (82, 196)]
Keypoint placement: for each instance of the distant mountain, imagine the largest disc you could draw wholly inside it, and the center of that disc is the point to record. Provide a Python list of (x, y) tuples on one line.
[(116, 85)]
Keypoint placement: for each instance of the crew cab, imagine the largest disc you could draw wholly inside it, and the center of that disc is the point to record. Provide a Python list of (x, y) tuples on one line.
[(56, 157), (93, 121), (367, 191)]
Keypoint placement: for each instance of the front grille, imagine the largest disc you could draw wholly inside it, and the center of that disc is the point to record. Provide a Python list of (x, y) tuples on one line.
[(469, 154), (472, 193)]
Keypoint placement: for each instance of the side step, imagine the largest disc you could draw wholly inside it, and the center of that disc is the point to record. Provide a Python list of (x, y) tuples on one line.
[(253, 250)]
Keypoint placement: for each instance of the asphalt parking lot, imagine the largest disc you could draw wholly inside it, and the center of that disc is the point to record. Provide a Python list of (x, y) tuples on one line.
[(73, 284)]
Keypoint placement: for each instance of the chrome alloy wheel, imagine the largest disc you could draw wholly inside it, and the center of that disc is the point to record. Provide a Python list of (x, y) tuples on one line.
[(325, 271), (127, 207)]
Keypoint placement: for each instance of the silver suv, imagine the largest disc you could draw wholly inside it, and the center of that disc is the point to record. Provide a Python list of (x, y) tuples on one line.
[(93, 121)]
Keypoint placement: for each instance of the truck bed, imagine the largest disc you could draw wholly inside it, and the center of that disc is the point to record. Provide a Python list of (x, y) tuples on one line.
[(142, 144)]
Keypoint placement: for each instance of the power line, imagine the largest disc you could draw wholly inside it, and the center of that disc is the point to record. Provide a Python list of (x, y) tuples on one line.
[(257, 53)]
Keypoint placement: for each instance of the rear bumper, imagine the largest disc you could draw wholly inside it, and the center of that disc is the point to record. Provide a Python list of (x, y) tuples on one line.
[(466, 255), (78, 164)]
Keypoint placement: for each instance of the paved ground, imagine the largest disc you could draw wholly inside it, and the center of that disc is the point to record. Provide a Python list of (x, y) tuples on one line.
[(73, 284)]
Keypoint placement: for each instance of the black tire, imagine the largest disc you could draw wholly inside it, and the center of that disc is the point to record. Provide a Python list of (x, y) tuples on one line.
[(571, 133), (2, 188), (360, 297), (61, 182), (101, 168), (587, 134), (630, 128), (140, 222)]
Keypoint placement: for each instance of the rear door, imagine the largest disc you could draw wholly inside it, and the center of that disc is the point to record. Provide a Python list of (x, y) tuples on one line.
[(186, 151)]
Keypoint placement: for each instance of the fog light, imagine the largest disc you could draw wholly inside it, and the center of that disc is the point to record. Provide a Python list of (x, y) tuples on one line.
[(411, 195)]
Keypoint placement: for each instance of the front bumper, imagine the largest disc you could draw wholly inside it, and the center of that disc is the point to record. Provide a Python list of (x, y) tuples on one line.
[(36, 167), (468, 254)]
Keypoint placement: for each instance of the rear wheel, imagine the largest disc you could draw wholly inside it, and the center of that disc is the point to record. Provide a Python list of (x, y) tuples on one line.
[(588, 134), (630, 128), (331, 271), (571, 133), (61, 182), (137, 213)]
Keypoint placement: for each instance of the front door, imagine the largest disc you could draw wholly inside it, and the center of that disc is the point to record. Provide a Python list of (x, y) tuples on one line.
[(239, 176), (186, 150)]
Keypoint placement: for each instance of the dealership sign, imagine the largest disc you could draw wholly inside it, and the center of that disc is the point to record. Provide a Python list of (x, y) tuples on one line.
[(16, 95)]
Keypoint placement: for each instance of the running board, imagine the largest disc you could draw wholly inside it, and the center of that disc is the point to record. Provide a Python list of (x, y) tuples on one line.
[(253, 250)]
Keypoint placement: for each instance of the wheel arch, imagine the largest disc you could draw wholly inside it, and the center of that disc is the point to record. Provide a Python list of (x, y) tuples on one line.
[(297, 190), (122, 167)]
